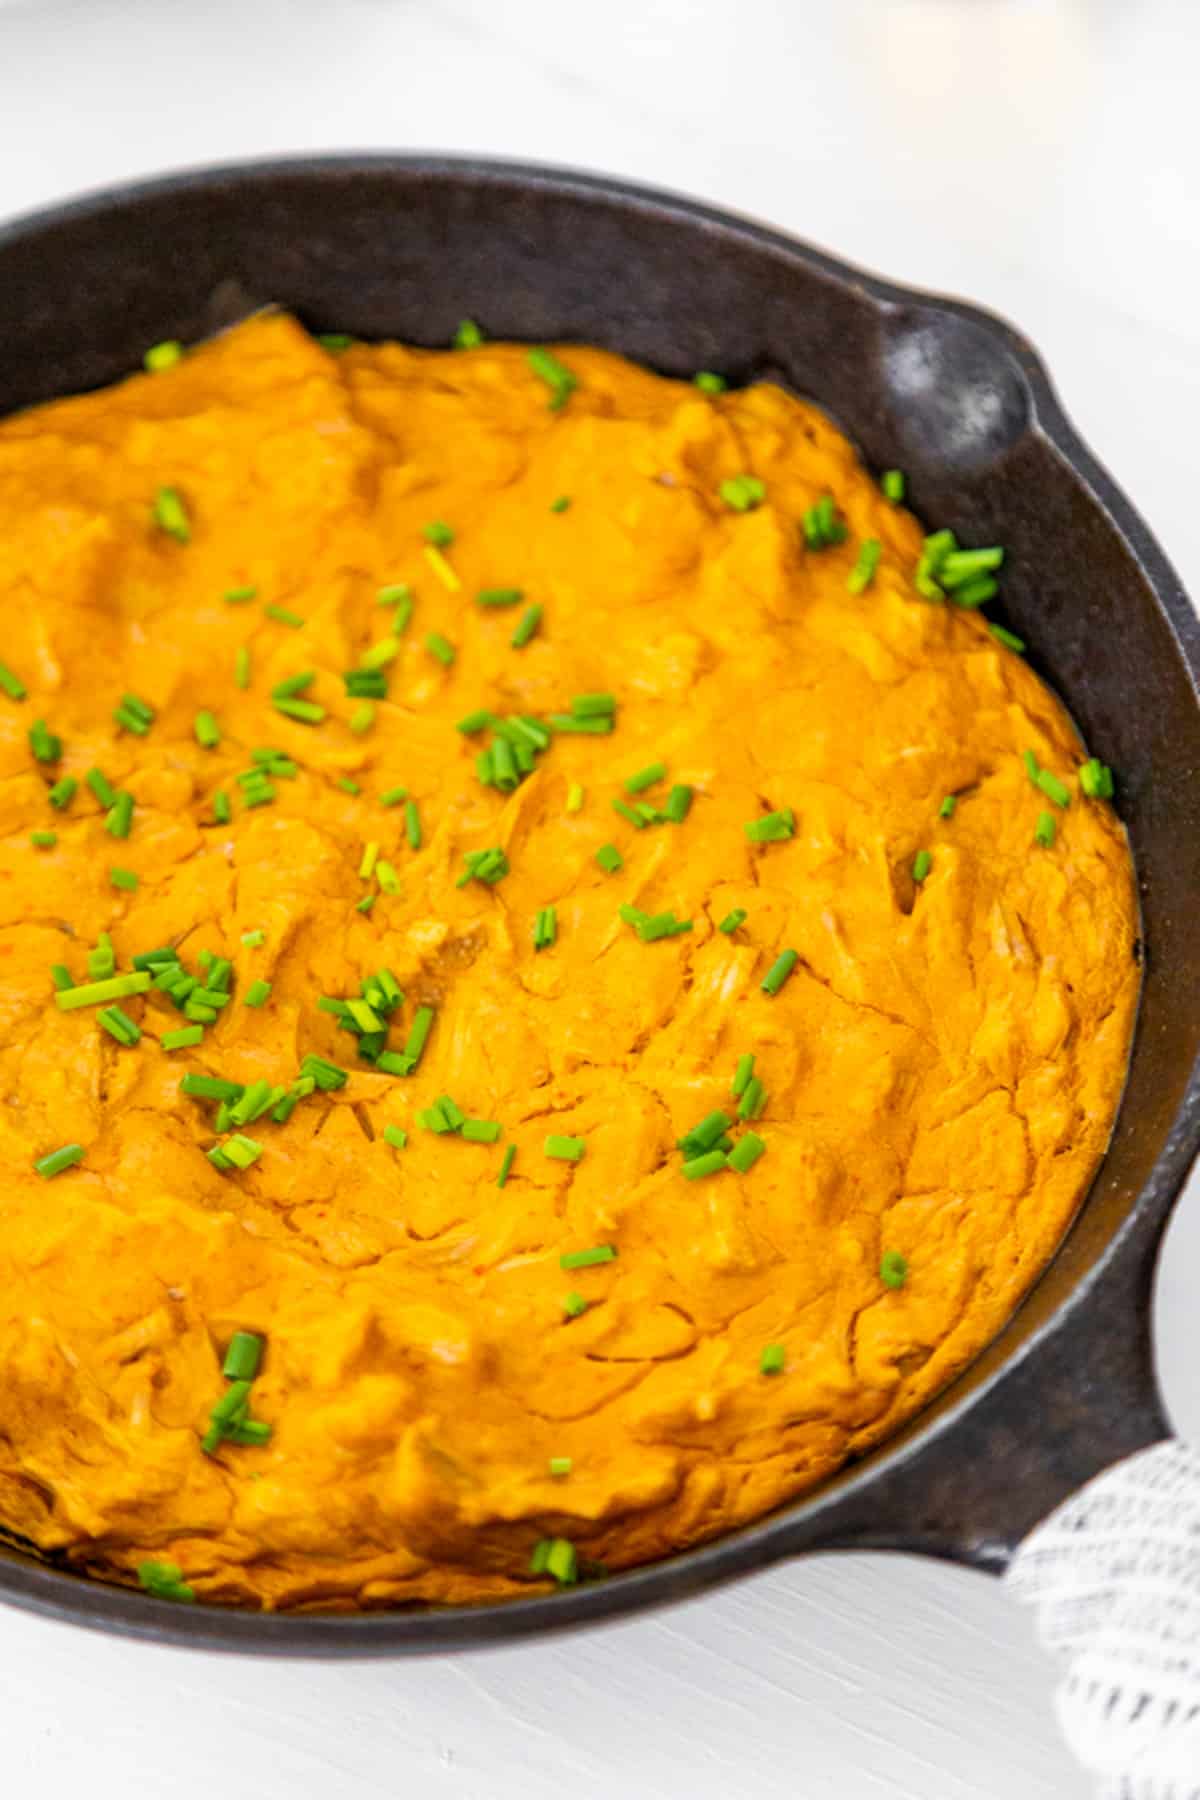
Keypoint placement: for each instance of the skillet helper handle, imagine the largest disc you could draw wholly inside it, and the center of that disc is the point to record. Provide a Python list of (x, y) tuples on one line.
[(1114, 1578)]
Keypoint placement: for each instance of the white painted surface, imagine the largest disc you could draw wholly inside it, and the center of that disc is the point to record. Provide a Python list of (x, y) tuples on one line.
[(1035, 156)]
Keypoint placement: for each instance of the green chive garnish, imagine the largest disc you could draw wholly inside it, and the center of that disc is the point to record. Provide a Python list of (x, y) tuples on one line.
[(63, 792), (559, 1466), (679, 803), (13, 686), (708, 383), (710, 1163), (732, 920), (772, 828), (58, 1160), (125, 879), (1009, 639), (822, 527), (637, 784), (164, 1580), (208, 732), (210, 1087), (96, 993), (282, 615), (742, 1075), (609, 858), (1045, 831), (480, 1131), (45, 746), (772, 1360), (742, 493), (306, 712), (650, 927), (257, 994), (568, 1149), (958, 568), (779, 971), (412, 823), (704, 1135), (561, 504), (588, 1259), (119, 818), (292, 685), (222, 811), (241, 667), (510, 1156), (946, 809), (239, 596), (556, 375), (99, 785), (487, 866), (1095, 778), (61, 976), (334, 341), (892, 483), (437, 533), (863, 573), (163, 356), (753, 1099), (441, 648), (396, 1136), (119, 1025), (893, 1269), (1048, 784), (170, 514), (184, 1039), (976, 593), (922, 863), (574, 1305), (746, 1152), (545, 928), (43, 840), (468, 336), (499, 597), (527, 626)]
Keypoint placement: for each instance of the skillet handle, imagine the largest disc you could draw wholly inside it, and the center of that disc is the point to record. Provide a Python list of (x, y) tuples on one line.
[(1078, 1396)]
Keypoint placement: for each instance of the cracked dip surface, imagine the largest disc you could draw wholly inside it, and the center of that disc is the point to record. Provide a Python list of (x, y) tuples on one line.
[(434, 1405)]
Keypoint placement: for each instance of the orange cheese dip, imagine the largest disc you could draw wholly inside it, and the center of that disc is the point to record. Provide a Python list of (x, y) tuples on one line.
[(940, 1062)]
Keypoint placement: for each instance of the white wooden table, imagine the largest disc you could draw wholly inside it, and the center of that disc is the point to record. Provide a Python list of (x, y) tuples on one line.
[(1034, 155)]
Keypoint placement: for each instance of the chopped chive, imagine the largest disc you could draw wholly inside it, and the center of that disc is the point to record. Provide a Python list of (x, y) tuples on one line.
[(468, 336), (442, 569), (210, 1087), (753, 1099), (61, 976), (183, 1039), (582, 725), (561, 504), (393, 796), (412, 823), (1096, 779), (921, 865), (45, 746), (538, 1560), (119, 1025), (527, 626), (241, 667), (208, 732), (366, 903), (679, 803), (418, 1036), (821, 525), (559, 1466), (102, 961), (779, 971), (63, 792), (238, 596), (627, 812), (574, 798), (282, 615), (742, 493), (704, 1135), (438, 533), (242, 1151), (394, 593), (609, 858), (257, 994), (1045, 831), (348, 785), (164, 1580), (863, 573), (125, 879), (510, 1156), (396, 1136), (334, 341), (710, 1163), (327, 1075), (100, 786), (362, 718), (772, 827), (574, 1306), (960, 567), (650, 927), (292, 685), (732, 920), (96, 993), (566, 1149), (545, 928), (243, 1357), (708, 383), (469, 724), (480, 1131), (260, 794), (558, 378), (976, 593), (746, 1152), (370, 857), (119, 818), (441, 648), (893, 1269), (58, 1160), (170, 514), (487, 866), (1009, 639), (946, 809), (499, 596), (252, 939), (742, 1075), (306, 712), (380, 655), (637, 784), (1053, 788), (772, 1360), (588, 1259), (12, 684), (43, 840), (892, 483)]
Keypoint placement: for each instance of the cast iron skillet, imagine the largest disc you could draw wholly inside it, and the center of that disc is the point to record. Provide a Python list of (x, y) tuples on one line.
[(398, 246)]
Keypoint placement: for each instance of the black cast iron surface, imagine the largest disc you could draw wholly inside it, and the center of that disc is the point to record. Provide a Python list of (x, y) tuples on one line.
[(404, 247)]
